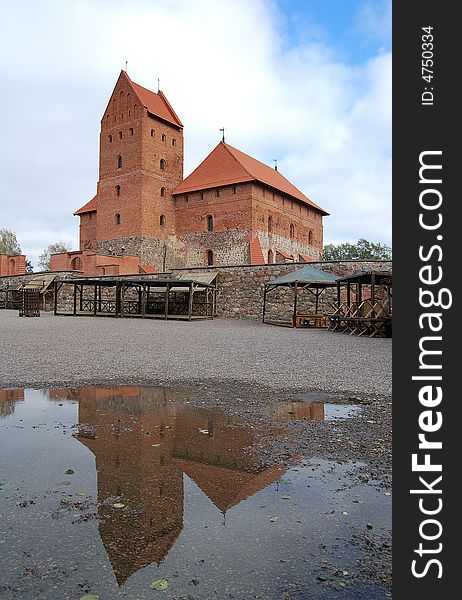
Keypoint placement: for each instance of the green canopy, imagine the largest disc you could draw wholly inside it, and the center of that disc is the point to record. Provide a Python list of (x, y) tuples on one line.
[(306, 276)]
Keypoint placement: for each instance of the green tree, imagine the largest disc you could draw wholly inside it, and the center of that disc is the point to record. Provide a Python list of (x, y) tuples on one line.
[(29, 267), (362, 250), (9, 243), (56, 248)]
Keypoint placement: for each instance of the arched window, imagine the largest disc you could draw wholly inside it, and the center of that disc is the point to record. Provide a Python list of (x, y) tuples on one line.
[(152, 132), (76, 264), (162, 192), (131, 130), (119, 162), (234, 189), (136, 110), (270, 257), (117, 190), (162, 164), (162, 220), (164, 137), (12, 266), (209, 223), (202, 195), (270, 224), (217, 193), (110, 138), (292, 230), (310, 237), (173, 142), (209, 257), (120, 135), (117, 219)]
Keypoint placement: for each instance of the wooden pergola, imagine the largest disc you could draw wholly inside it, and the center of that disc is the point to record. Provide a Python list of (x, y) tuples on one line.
[(367, 309), (184, 299), (310, 279)]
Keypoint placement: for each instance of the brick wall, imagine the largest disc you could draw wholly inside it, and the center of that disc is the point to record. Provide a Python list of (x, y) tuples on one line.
[(12, 265)]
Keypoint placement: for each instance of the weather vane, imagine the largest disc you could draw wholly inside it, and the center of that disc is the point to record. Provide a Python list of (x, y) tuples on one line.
[(158, 85), (275, 160), (126, 66), (222, 129)]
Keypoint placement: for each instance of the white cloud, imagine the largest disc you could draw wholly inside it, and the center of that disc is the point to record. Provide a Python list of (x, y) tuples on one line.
[(327, 122)]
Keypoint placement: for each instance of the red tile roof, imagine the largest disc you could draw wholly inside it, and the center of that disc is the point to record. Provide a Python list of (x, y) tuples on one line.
[(256, 252), (226, 165), (88, 207), (305, 257), (157, 104), (285, 254)]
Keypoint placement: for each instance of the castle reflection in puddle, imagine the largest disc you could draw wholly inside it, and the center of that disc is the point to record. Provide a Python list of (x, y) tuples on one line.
[(143, 444), (8, 400)]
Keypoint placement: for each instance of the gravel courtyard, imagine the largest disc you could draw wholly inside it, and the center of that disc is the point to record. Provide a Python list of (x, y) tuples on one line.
[(53, 350)]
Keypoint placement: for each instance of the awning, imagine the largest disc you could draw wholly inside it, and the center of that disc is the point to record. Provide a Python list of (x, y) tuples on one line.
[(41, 283), (306, 276), (206, 277)]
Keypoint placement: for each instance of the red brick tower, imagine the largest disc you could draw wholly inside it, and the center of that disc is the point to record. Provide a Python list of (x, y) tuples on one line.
[(141, 162)]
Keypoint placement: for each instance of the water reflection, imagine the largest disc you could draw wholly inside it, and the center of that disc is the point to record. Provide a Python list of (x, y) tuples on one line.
[(297, 410), (8, 400), (143, 444)]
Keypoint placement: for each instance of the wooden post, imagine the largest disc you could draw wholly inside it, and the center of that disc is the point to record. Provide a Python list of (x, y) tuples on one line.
[(360, 292), (167, 293), (348, 296), (118, 300), (295, 304), (75, 299), (264, 304), (95, 298), (143, 300), (55, 311), (191, 296), (148, 289), (81, 298), (339, 299), (317, 302), (373, 293), (99, 298)]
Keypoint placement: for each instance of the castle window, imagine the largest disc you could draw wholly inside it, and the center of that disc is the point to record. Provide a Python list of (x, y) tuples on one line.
[(117, 219), (209, 223), (173, 142), (202, 195), (209, 258), (131, 130), (152, 132), (270, 224), (292, 230), (117, 190), (119, 162), (76, 264), (162, 164), (270, 257), (186, 198), (264, 192), (234, 189), (217, 193), (164, 137), (110, 138), (162, 220), (310, 237), (162, 192), (120, 135)]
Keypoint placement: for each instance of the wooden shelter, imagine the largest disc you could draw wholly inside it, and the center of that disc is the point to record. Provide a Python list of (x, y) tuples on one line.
[(181, 299), (310, 279), (366, 307)]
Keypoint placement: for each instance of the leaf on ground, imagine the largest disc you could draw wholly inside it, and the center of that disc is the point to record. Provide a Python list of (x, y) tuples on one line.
[(119, 505), (325, 578), (204, 431), (89, 597), (70, 472), (156, 445), (273, 519), (286, 497), (80, 494), (344, 512), (3, 486), (161, 585)]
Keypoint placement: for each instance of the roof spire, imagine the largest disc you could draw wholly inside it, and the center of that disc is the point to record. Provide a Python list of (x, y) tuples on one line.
[(158, 85), (275, 160), (222, 129), (126, 67)]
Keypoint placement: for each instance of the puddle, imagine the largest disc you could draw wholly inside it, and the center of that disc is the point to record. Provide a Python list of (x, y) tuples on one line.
[(313, 407), (125, 486)]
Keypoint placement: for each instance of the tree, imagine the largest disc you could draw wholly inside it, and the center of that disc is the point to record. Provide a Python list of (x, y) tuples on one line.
[(8, 243), (29, 267), (362, 250), (57, 248)]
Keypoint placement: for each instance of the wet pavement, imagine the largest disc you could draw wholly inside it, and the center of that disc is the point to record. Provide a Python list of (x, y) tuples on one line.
[(123, 492)]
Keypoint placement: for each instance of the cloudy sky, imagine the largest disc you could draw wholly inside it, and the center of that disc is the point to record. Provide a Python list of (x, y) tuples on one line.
[(305, 81)]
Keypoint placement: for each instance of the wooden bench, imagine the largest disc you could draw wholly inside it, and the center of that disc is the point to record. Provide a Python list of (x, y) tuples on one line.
[(309, 321)]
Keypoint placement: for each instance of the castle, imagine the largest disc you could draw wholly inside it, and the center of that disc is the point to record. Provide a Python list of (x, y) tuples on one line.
[(232, 209)]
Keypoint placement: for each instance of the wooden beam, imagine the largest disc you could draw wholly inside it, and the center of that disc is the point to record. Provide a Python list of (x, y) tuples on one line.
[(55, 295), (295, 304), (95, 298), (167, 293), (75, 299), (264, 303), (190, 305)]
